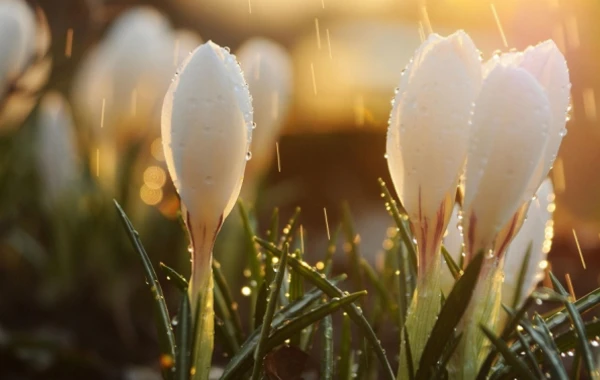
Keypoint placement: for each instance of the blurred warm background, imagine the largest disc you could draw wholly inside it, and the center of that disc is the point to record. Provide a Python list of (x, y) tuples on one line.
[(67, 273)]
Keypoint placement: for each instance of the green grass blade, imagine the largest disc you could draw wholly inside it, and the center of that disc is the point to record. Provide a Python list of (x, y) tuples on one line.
[(392, 206), (381, 290), (449, 317), (183, 335), (511, 358), (327, 358), (232, 306), (583, 304), (521, 279), (584, 346), (269, 313), (454, 268), (290, 229), (555, 365), (356, 274), (254, 258), (533, 363), (225, 323), (166, 338), (284, 331), (567, 341), (328, 288), (261, 305), (344, 369), (235, 367), (180, 282)]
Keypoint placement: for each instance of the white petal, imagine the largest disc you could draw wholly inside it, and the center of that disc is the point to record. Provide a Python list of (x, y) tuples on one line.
[(206, 122), (536, 231), (428, 134), (268, 69), (511, 122), (547, 64)]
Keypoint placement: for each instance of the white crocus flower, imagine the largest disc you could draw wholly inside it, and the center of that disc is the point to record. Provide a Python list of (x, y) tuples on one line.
[(427, 144), (58, 160), (429, 131), (537, 230), (268, 69), (24, 64), (511, 124), (206, 132)]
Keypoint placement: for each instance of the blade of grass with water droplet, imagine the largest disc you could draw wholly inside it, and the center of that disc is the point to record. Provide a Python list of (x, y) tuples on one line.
[(401, 224), (331, 248), (449, 317), (166, 338), (233, 369), (567, 341), (344, 364), (273, 232), (521, 279), (452, 266), (555, 365), (260, 351), (290, 229), (231, 305), (283, 330), (583, 304), (225, 323), (584, 346), (328, 288), (179, 281), (532, 361), (182, 338), (327, 358), (511, 358), (254, 258)]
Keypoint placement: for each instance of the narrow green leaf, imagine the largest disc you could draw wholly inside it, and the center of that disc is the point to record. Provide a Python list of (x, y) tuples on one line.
[(441, 371), (356, 274), (166, 338), (584, 346), (283, 331), (511, 326), (232, 306), (454, 268), (269, 313), (555, 365), (328, 288), (448, 319), (567, 341), (392, 207), (183, 335), (511, 358), (331, 248), (290, 229), (290, 311), (254, 261), (521, 279), (583, 304), (533, 363), (344, 369), (261, 305), (225, 323), (327, 358), (409, 358), (381, 290), (180, 282)]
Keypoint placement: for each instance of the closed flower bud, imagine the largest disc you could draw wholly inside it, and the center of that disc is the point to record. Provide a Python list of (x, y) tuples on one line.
[(24, 64), (511, 124), (268, 70), (429, 133), (206, 132), (58, 160)]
